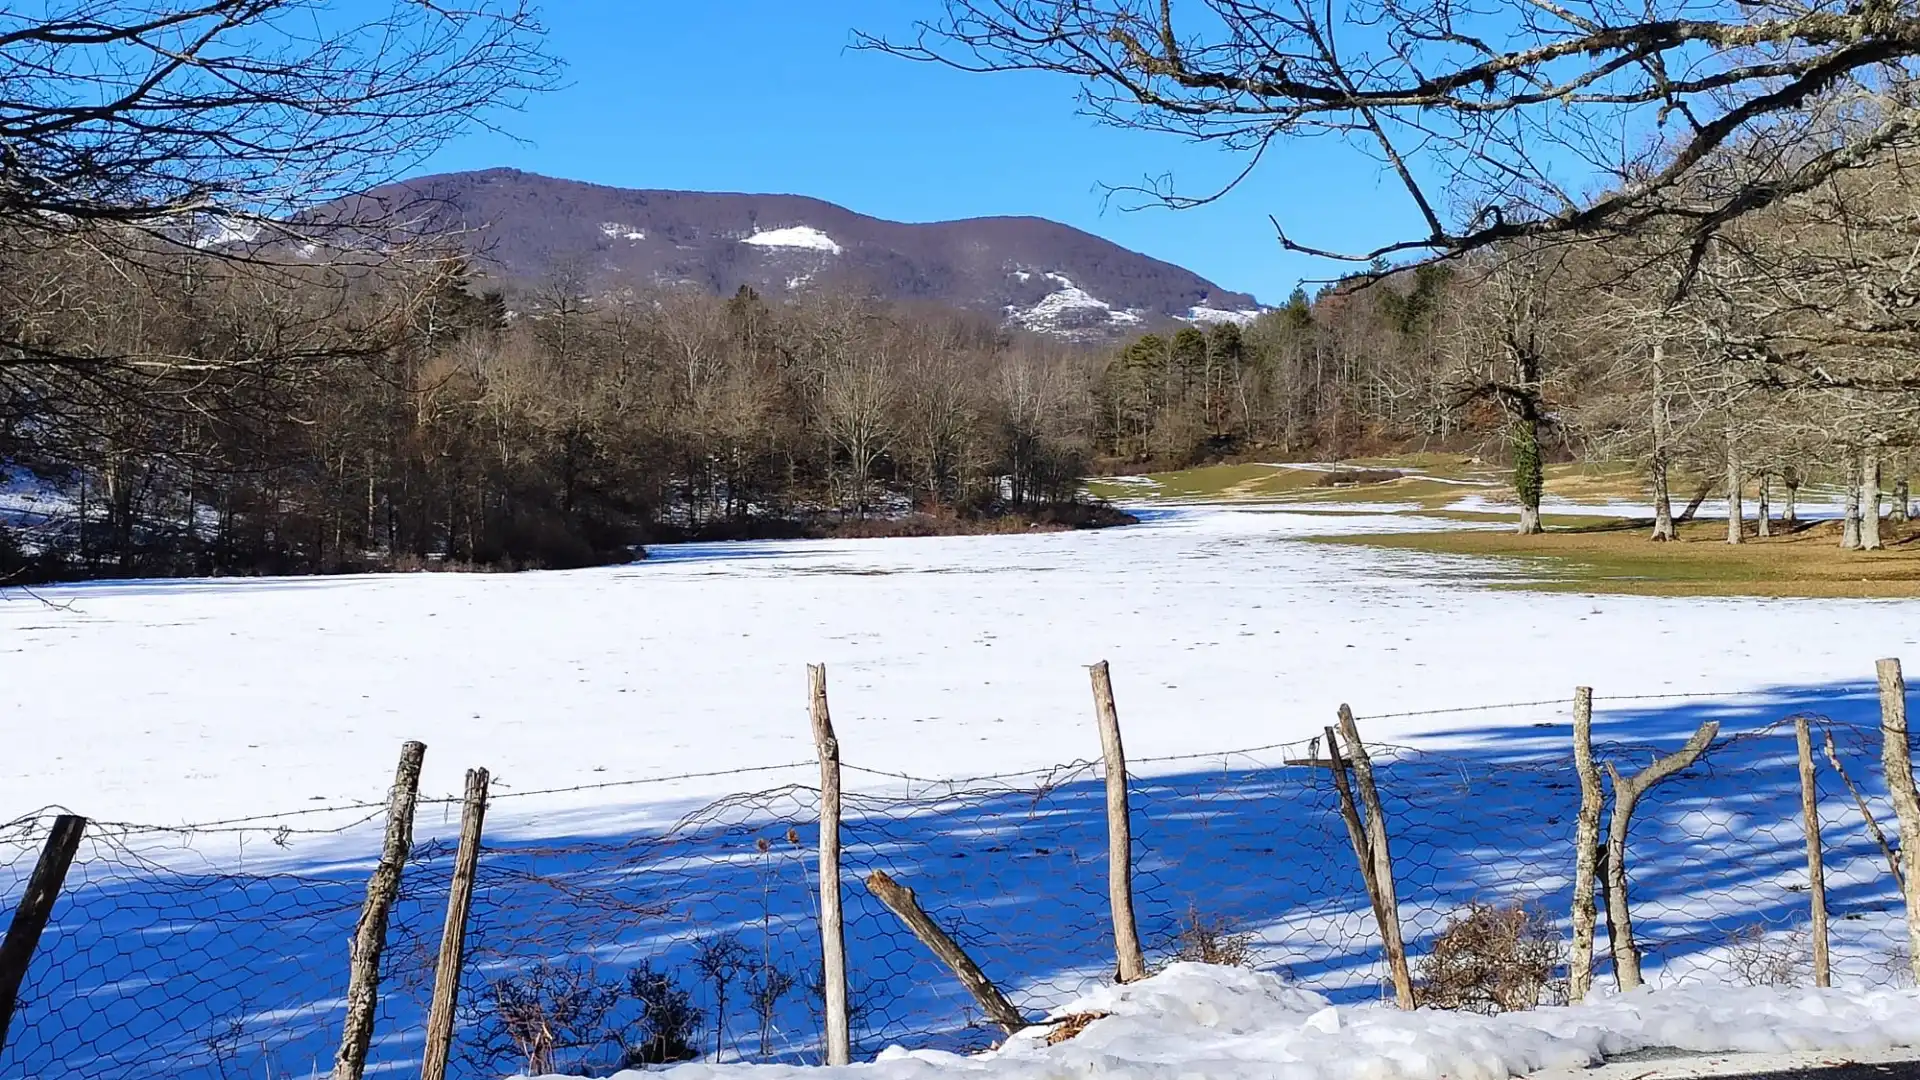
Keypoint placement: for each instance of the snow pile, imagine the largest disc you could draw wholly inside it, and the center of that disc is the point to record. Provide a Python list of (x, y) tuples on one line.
[(1201, 313), (1071, 312), (614, 230), (1195, 1020), (803, 237)]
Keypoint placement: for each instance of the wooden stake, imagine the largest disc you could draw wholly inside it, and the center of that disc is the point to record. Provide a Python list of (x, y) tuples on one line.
[(453, 939), (1381, 858), (1816, 872), (900, 900), (370, 935), (1586, 846), (1866, 813), (1896, 756), (35, 908), (1626, 795), (1126, 934), (833, 942), (1356, 833)]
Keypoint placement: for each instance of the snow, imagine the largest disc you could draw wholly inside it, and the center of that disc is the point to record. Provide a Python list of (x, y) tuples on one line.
[(222, 231), (615, 230), (803, 237), (1224, 1023), (1072, 312), (961, 656), (935, 644), (1201, 313)]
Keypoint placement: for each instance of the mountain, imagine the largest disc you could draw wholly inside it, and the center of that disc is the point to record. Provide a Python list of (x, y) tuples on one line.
[(1035, 273)]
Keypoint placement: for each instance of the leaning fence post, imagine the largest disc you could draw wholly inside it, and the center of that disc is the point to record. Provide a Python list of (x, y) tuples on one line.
[(1816, 871), (833, 941), (900, 900), (1896, 756), (1382, 860), (1126, 934), (370, 934), (35, 908), (453, 939), (1586, 847)]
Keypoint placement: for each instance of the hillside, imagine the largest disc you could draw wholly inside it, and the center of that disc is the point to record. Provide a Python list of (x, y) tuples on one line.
[(1038, 274)]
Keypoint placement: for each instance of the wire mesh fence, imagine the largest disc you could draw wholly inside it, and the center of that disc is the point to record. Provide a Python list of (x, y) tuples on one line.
[(220, 950)]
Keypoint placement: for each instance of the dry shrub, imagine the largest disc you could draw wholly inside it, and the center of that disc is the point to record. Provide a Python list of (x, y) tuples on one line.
[(1894, 966), (1762, 958), (1066, 1027), (1491, 959), (1204, 940)]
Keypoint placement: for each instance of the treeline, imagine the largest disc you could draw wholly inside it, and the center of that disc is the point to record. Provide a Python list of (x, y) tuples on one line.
[(1352, 370), (199, 415)]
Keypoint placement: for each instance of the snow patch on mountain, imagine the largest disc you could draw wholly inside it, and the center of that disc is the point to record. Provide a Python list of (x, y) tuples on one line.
[(1201, 313), (222, 231), (615, 230), (805, 237), (1072, 312)]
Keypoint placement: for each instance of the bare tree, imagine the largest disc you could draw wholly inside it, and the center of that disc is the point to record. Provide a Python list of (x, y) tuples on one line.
[(1539, 119)]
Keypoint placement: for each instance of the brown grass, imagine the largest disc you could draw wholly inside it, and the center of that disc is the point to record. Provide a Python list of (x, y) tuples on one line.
[(1617, 557)]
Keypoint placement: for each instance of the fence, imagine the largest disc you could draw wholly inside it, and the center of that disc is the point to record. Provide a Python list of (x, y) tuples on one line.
[(225, 949)]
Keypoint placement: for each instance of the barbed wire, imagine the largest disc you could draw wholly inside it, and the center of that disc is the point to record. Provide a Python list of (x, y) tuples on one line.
[(700, 936)]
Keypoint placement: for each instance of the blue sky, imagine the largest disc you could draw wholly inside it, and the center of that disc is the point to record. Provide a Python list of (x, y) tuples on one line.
[(765, 96)]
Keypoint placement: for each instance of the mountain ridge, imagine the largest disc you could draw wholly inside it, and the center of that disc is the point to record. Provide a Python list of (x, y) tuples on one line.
[(1031, 271)]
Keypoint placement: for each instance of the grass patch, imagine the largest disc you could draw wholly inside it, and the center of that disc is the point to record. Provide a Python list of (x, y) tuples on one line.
[(1617, 557)]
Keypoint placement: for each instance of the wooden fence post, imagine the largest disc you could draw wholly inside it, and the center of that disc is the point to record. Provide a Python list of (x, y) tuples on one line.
[(35, 908), (1126, 934), (1382, 858), (1357, 835), (370, 934), (900, 900), (1816, 871), (1896, 756), (833, 942), (1586, 847), (453, 939), (1627, 791)]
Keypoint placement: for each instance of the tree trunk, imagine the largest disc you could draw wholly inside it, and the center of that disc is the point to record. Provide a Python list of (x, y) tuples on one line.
[(1791, 516), (1902, 496), (1765, 520), (1693, 505), (1663, 527), (1528, 478), (1735, 512), (1870, 500), (1850, 519)]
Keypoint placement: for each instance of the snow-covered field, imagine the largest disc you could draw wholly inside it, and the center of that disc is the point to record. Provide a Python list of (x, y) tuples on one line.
[(182, 701), (196, 701)]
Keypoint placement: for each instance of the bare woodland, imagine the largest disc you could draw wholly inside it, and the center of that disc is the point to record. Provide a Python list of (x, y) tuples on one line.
[(1687, 243)]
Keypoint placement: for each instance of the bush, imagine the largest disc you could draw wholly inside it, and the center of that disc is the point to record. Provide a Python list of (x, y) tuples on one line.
[(1206, 940), (1492, 959), (668, 1023), (1761, 958)]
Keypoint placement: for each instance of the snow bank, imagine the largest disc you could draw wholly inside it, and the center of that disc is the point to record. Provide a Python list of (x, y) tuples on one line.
[(1194, 1020), (805, 237)]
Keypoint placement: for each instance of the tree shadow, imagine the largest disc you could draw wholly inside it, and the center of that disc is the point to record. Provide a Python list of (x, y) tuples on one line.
[(156, 971)]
